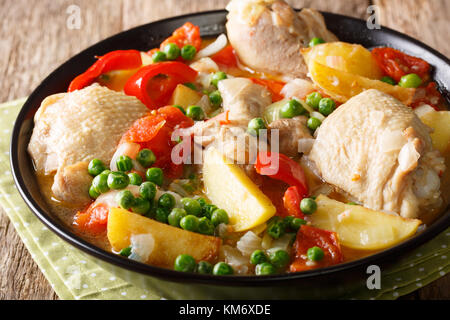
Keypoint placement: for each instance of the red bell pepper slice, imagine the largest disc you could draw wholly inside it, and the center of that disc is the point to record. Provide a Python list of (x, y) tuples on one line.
[(93, 220), (186, 34), (308, 237), (431, 96), (280, 167), (291, 201), (114, 60), (274, 87), (154, 84), (396, 64), (226, 57)]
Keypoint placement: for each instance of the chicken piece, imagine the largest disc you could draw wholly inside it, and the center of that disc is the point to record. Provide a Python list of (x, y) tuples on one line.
[(268, 35), (290, 131), (72, 182), (243, 99), (77, 127), (377, 150)]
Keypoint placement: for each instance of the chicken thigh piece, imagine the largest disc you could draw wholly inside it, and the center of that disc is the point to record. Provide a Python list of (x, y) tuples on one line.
[(377, 150), (76, 127), (268, 35)]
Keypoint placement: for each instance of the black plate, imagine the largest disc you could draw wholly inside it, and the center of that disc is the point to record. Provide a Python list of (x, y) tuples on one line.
[(211, 23)]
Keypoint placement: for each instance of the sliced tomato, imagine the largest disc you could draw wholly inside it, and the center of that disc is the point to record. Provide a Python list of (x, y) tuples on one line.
[(274, 86), (186, 34), (308, 237), (226, 57), (291, 201), (144, 129), (93, 220), (396, 64), (114, 60)]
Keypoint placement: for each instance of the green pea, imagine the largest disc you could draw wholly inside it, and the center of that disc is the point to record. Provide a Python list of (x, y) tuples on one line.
[(265, 269), (215, 98), (313, 123), (159, 56), (118, 180), (222, 269), (106, 172), (180, 108), (141, 206), (279, 258), (155, 175), (296, 223), (219, 216), (172, 51), (147, 190), (189, 223), (190, 85), (125, 252), (146, 158), (124, 163), (315, 254), (208, 209), (100, 183), (162, 215), (192, 206), (204, 267), (188, 52), (218, 76), (135, 179), (313, 100), (95, 167), (202, 202), (167, 201), (185, 263), (93, 193), (352, 203), (255, 125), (175, 216), (326, 106), (388, 80), (276, 228), (195, 113), (315, 41), (125, 199), (292, 109), (205, 226), (411, 80), (258, 257), (308, 206)]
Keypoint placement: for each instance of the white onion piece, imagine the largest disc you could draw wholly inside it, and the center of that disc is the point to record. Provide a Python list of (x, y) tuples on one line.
[(206, 65), (109, 198), (142, 246), (318, 115), (124, 149), (423, 109), (248, 243), (281, 243), (235, 259), (216, 46)]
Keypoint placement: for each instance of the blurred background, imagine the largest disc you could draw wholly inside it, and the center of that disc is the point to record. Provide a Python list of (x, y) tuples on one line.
[(38, 35)]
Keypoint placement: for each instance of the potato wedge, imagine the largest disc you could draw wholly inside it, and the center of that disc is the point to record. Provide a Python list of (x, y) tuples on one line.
[(341, 85), (347, 57), (169, 241), (116, 79), (184, 96), (231, 189), (440, 122), (361, 228)]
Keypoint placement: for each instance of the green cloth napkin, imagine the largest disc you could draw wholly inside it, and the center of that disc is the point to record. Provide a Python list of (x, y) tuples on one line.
[(72, 276)]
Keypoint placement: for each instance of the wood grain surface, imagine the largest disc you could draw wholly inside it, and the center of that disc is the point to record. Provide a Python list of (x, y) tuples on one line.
[(35, 39)]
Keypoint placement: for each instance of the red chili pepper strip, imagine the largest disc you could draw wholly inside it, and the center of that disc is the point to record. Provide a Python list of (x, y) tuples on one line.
[(139, 84), (114, 60), (226, 57), (280, 167), (291, 201)]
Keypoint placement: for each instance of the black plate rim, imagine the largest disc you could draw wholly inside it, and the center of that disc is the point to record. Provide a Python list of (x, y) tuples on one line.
[(430, 232)]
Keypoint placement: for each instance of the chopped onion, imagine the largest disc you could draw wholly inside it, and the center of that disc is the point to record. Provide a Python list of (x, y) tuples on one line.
[(248, 243), (178, 188), (423, 109), (318, 115), (205, 65), (142, 246), (282, 242), (128, 149), (216, 46), (235, 259)]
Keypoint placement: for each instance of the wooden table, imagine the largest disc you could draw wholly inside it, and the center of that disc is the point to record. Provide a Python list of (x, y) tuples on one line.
[(35, 39)]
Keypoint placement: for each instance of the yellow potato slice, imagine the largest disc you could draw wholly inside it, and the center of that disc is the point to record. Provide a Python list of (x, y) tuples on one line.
[(351, 58), (229, 188), (341, 85), (169, 241), (440, 122), (361, 228), (184, 96)]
